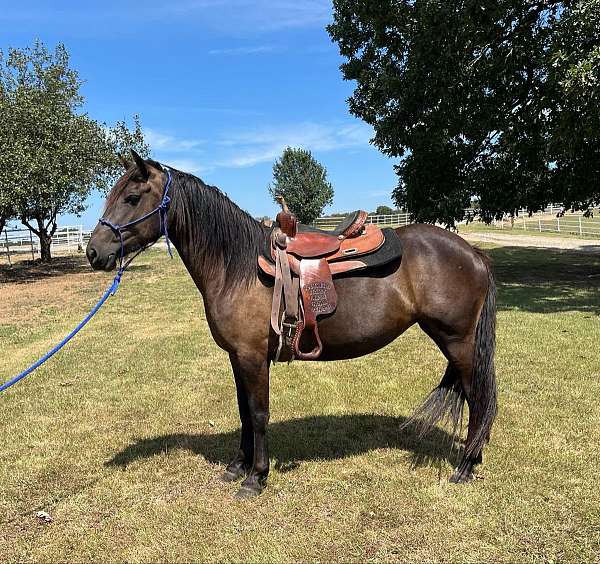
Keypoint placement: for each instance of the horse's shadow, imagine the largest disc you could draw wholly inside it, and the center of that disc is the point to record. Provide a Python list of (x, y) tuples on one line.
[(325, 437)]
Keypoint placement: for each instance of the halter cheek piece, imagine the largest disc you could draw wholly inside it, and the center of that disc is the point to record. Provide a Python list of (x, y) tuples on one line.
[(161, 210)]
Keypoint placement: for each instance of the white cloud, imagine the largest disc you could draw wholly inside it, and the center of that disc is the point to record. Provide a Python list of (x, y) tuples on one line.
[(189, 165), (253, 147), (162, 142)]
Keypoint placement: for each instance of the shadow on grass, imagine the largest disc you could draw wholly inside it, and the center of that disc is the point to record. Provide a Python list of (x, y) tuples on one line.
[(33, 270), (325, 437), (546, 280)]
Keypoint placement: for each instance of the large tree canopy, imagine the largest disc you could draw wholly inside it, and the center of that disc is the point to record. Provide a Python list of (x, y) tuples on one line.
[(498, 100), (51, 153), (302, 181)]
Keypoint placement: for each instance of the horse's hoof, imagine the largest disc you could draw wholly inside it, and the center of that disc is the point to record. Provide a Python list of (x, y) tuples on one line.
[(246, 492), (233, 474), (229, 476), (461, 476)]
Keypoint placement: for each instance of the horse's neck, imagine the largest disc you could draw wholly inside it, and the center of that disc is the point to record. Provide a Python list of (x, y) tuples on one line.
[(218, 242), (193, 259)]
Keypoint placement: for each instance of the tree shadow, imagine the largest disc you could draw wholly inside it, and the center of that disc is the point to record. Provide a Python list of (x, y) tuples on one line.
[(546, 280), (324, 437), (33, 270)]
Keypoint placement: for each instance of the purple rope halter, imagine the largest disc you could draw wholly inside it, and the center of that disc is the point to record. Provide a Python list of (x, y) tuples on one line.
[(161, 210)]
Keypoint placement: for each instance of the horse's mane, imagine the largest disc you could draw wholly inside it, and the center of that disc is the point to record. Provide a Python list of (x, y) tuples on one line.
[(215, 228)]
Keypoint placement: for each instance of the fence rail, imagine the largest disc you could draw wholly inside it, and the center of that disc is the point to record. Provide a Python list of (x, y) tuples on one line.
[(393, 220), (69, 238), (572, 223)]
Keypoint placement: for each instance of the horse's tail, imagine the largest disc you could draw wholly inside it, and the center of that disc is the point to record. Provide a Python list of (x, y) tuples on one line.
[(483, 404), (445, 403)]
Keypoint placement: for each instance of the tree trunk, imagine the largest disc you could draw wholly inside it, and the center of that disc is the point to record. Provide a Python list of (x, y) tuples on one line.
[(43, 234), (2, 224), (45, 240)]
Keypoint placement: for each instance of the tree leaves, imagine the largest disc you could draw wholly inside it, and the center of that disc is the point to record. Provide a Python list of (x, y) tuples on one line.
[(302, 181), (52, 154), (497, 100)]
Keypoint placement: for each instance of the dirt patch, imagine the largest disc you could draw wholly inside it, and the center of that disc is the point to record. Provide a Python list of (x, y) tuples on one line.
[(29, 286)]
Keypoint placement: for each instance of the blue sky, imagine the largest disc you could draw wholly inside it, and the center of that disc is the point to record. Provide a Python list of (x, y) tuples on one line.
[(222, 87)]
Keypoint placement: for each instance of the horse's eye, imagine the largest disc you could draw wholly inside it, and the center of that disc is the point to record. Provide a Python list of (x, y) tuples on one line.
[(133, 199)]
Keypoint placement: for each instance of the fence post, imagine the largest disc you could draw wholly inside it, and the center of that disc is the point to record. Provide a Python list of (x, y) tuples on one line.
[(540, 223), (7, 248), (31, 241), (558, 224), (524, 225), (580, 230)]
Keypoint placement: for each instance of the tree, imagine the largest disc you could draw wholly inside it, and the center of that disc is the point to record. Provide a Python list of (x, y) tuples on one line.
[(498, 100), (7, 210), (384, 210), (302, 181), (56, 153)]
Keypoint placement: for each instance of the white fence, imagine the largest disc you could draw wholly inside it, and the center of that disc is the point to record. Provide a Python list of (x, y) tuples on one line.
[(70, 238), (394, 220), (572, 223)]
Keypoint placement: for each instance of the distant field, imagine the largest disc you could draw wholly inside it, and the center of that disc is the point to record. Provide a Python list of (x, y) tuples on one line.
[(569, 227), (121, 438)]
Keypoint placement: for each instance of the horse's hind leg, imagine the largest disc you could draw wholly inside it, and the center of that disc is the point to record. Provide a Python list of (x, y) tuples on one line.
[(469, 376), (460, 356)]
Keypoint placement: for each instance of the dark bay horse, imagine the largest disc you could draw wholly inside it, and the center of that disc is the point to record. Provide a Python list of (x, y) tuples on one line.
[(442, 283)]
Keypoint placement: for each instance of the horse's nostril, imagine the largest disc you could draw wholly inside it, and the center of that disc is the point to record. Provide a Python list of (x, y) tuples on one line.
[(91, 253)]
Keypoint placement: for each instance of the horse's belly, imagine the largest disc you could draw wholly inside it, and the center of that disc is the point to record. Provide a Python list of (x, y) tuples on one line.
[(370, 314)]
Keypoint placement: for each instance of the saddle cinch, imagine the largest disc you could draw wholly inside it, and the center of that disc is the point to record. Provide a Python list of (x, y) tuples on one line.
[(303, 261)]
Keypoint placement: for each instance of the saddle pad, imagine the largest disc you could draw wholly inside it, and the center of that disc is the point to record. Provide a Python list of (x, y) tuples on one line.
[(390, 251)]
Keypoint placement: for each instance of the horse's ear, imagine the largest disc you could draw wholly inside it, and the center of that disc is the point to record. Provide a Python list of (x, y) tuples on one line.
[(123, 161), (155, 164), (140, 164)]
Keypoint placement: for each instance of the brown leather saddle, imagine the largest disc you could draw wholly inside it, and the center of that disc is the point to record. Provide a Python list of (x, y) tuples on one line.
[(303, 260)]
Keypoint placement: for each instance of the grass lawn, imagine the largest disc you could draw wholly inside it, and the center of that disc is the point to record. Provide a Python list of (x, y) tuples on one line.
[(121, 437), (569, 228)]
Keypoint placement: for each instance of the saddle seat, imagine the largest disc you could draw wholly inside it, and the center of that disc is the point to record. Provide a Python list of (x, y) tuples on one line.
[(303, 261)]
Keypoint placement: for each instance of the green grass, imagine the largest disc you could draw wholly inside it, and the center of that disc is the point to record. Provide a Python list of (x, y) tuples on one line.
[(121, 437)]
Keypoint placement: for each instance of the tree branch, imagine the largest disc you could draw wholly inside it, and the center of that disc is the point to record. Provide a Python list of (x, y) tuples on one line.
[(29, 226)]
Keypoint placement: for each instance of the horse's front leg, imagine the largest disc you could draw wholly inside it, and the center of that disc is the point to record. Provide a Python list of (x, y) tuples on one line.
[(253, 374), (241, 464)]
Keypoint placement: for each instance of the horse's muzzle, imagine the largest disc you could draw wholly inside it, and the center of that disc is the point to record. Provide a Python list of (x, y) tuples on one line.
[(100, 262)]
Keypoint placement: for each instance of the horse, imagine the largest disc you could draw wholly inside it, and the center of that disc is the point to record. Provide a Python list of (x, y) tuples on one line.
[(441, 283)]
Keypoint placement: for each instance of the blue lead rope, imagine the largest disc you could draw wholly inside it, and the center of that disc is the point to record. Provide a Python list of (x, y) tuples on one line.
[(161, 210), (110, 292)]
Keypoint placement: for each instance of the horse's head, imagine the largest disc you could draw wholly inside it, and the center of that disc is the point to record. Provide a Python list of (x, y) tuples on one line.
[(137, 193)]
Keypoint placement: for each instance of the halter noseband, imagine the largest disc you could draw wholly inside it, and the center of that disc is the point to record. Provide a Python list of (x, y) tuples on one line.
[(161, 210)]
